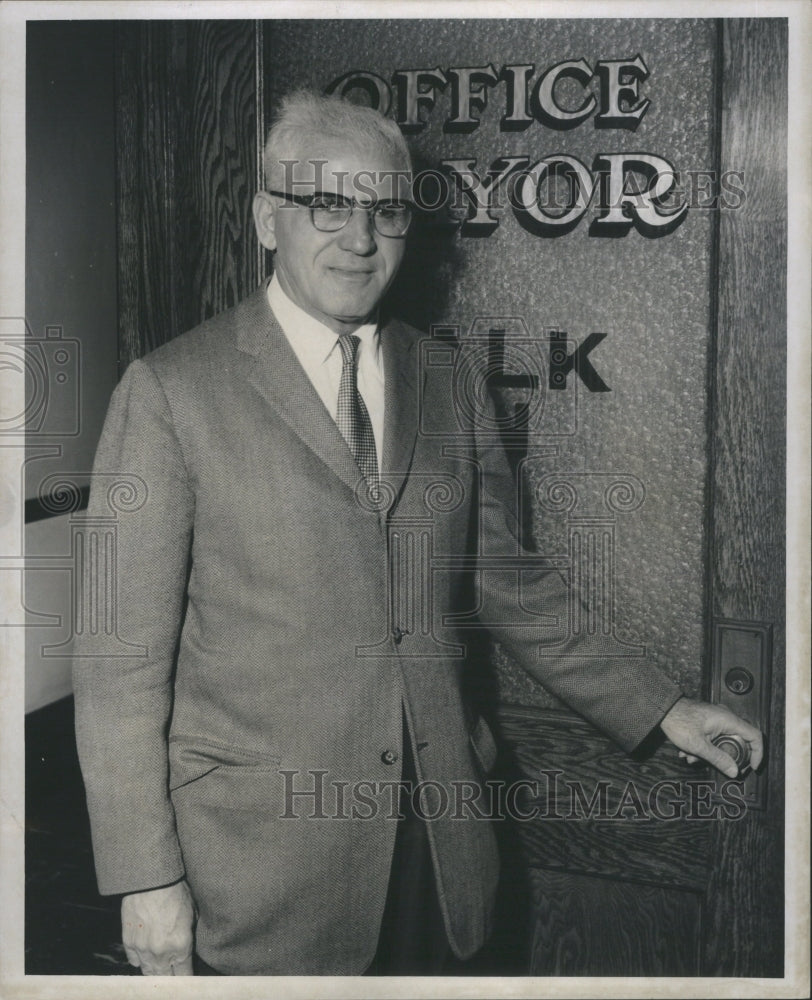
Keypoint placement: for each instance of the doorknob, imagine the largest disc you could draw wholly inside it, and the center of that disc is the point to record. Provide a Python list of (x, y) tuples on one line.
[(740, 680), (734, 746)]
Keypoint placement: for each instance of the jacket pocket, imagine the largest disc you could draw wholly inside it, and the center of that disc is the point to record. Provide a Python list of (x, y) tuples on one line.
[(484, 746), (191, 759)]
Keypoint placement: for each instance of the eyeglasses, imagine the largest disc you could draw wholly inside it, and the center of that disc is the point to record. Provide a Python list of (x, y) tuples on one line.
[(331, 212)]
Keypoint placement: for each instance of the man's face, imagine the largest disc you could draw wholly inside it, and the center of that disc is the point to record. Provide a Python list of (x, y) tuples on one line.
[(337, 277)]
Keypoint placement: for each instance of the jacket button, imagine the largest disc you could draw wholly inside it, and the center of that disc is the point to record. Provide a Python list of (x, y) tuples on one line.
[(389, 756)]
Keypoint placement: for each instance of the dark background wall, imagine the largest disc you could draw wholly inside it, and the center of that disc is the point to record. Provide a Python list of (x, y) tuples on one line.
[(71, 262), (71, 275)]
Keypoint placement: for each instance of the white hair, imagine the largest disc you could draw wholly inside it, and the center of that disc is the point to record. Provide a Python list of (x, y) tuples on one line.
[(306, 118)]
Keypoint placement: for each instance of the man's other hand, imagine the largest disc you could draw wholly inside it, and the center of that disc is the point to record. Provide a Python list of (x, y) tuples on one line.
[(157, 930), (693, 725)]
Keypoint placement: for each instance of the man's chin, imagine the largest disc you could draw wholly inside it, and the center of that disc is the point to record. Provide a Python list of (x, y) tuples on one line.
[(355, 314)]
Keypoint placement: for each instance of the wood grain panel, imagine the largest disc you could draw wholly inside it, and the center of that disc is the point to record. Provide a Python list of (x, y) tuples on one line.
[(745, 894), (633, 843), (145, 152), (221, 86), (593, 927), (187, 162)]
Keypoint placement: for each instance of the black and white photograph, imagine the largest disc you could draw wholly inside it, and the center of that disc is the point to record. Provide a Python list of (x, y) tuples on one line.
[(404, 467)]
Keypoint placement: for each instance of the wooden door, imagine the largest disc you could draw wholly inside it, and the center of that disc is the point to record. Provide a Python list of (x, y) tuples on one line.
[(700, 894)]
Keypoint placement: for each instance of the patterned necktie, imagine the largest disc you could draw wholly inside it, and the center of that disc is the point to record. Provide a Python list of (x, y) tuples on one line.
[(352, 416)]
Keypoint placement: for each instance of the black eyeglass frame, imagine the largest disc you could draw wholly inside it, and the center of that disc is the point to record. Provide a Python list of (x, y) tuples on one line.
[(307, 200)]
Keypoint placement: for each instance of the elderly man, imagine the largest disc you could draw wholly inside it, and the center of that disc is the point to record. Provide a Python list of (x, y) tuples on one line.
[(243, 772)]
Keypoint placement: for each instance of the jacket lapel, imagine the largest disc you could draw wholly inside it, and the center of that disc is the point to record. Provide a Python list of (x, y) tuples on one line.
[(402, 382), (277, 374)]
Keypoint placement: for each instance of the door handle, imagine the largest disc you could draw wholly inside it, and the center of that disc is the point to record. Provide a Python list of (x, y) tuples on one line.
[(734, 746)]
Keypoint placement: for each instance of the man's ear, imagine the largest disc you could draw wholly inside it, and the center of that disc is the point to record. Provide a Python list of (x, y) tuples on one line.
[(264, 207)]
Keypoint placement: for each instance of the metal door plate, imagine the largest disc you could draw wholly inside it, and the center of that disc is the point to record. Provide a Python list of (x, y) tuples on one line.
[(740, 680)]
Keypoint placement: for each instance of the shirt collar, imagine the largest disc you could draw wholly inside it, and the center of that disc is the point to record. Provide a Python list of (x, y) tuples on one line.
[(311, 336)]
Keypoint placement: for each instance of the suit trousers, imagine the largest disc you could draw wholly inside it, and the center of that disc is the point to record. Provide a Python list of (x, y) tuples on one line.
[(412, 939)]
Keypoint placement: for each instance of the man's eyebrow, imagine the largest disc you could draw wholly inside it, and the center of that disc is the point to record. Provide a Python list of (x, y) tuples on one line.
[(363, 200)]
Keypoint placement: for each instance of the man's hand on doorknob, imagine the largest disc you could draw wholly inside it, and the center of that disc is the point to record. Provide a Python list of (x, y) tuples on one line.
[(692, 726)]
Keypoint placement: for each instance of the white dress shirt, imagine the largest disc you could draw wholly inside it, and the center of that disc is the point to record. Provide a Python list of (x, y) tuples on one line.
[(316, 347)]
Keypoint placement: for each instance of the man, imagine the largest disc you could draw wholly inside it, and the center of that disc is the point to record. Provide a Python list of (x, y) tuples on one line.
[(296, 665)]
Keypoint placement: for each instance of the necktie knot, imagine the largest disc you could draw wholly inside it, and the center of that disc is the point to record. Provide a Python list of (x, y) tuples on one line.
[(348, 343)]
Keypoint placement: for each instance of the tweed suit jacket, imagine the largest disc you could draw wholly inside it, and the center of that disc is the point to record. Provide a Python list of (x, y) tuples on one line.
[(251, 742)]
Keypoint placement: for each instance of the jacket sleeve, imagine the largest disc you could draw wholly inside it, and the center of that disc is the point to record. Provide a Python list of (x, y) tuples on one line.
[(626, 697), (123, 661)]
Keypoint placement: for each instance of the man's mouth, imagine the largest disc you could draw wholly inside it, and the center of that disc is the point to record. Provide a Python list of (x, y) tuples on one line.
[(352, 272)]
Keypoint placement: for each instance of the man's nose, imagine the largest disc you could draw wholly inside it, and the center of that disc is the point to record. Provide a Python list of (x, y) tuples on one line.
[(359, 233)]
